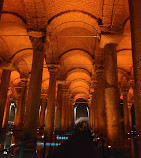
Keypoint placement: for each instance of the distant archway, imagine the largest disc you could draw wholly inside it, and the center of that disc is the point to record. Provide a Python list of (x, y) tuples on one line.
[(81, 111)]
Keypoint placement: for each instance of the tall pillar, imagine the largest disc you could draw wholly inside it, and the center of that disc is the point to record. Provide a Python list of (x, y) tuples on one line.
[(33, 99), (125, 110), (19, 118), (96, 115), (130, 116), (6, 113), (3, 92), (49, 124), (67, 111), (70, 114), (112, 99), (90, 116), (59, 106), (100, 100), (95, 108), (93, 104), (135, 19), (63, 119), (42, 113)]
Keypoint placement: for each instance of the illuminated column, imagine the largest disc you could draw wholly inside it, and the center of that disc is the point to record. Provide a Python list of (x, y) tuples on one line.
[(94, 83), (100, 100), (19, 118), (59, 105), (67, 111), (71, 116), (6, 113), (135, 19), (42, 113), (63, 119), (3, 92), (95, 108), (31, 121), (125, 110), (112, 99), (90, 111), (72, 110), (130, 116), (49, 124)]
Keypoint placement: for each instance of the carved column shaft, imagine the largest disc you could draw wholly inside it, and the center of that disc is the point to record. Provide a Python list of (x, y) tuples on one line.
[(70, 114), (6, 113), (100, 100), (135, 19), (112, 99), (63, 120), (126, 113), (67, 111), (33, 99), (19, 118), (49, 124), (130, 116), (3, 92), (42, 113), (59, 107)]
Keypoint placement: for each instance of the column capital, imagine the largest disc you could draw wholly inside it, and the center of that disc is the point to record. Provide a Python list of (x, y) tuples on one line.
[(60, 82), (53, 68), (65, 91), (37, 41), (23, 82), (44, 96), (36, 34), (129, 105), (124, 91)]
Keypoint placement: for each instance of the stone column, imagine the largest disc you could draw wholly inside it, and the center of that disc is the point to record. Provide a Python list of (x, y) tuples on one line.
[(3, 92), (112, 99), (31, 121), (125, 110), (100, 100), (90, 111), (94, 105), (70, 114), (67, 111), (130, 116), (6, 113), (19, 118), (59, 106), (63, 120), (42, 113), (135, 19), (49, 124)]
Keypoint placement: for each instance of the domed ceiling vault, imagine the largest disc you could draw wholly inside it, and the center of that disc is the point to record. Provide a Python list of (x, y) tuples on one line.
[(73, 29)]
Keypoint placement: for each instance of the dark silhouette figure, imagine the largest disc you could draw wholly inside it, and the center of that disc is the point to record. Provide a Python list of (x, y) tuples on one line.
[(80, 145)]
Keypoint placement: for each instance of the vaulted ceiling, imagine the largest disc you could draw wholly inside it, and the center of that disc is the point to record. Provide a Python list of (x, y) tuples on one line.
[(74, 31)]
